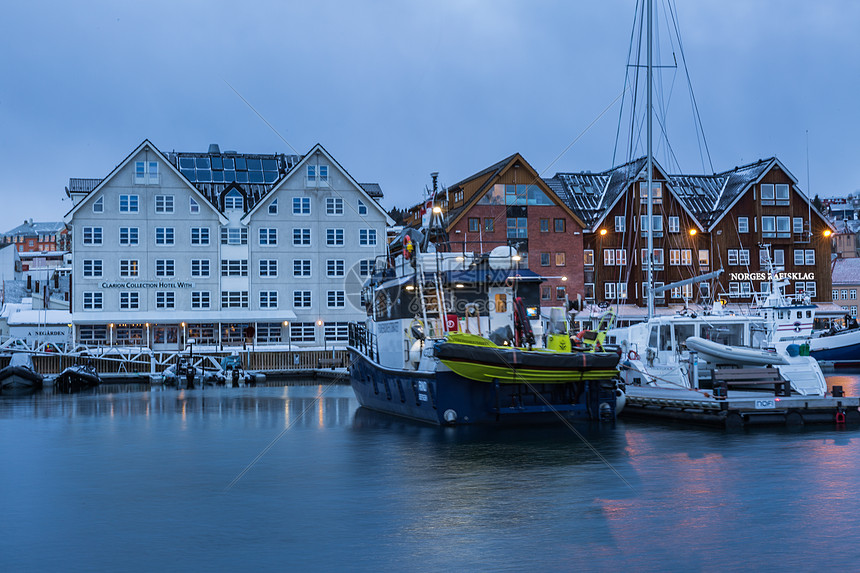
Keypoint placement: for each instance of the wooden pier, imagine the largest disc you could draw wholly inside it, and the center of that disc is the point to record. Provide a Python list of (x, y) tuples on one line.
[(741, 408)]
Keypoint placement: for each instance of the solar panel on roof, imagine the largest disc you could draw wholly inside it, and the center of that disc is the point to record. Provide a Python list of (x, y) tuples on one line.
[(228, 162), (255, 165), (240, 163), (186, 162), (202, 163), (216, 163), (270, 165)]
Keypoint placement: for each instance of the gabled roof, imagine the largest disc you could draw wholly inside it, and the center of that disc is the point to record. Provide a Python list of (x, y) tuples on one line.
[(145, 144), (297, 168), (706, 198), (490, 176), (37, 228), (846, 271)]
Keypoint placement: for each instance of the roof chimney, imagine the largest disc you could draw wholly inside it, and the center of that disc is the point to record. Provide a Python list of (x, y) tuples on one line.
[(214, 149)]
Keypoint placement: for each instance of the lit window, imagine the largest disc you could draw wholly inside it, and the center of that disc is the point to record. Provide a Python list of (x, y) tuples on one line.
[(129, 268), (588, 258), (559, 259)]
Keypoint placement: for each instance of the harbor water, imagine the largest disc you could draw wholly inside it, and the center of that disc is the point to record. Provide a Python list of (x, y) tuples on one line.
[(130, 478)]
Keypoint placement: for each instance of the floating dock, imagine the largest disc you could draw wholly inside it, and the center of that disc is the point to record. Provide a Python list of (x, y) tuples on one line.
[(740, 408)]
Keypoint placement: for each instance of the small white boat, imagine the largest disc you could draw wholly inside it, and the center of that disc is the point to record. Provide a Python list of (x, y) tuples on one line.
[(717, 353)]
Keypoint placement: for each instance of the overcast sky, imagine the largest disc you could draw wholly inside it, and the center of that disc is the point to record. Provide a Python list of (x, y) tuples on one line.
[(396, 90)]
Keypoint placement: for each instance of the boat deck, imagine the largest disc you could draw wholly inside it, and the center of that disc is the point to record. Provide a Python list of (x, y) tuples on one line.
[(740, 408)]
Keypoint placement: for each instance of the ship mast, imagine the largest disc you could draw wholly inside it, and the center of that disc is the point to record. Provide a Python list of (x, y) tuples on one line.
[(650, 169)]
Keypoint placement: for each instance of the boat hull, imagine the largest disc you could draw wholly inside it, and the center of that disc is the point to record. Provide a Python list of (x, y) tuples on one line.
[(838, 349), (19, 378), (717, 353), (76, 378), (447, 398), (513, 365)]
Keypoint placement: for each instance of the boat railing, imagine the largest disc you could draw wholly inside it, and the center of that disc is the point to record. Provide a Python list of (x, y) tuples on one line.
[(363, 340)]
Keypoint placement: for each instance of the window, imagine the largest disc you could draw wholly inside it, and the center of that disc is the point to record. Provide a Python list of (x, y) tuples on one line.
[(489, 225), (834, 294), (544, 259), (588, 258), (621, 256), (798, 256), (165, 299), (853, 294), (165, 267), (145, 172), (322, 172), (200, 299), (312, 173), (302, 299), (658, 225), (674, 224), (268, 299), (365, 267), (333, 206), (193, 206), (301, 237), (129, 301), (92, 268), (675, 257), (744, 257), (273, 207), (608, 257), (301, 205), (609, 291), (779, 257), (559, 259), (797, 225), (199, 235), (518, 228), (811, 289), (474, 224), (657, 188), (234, 267), (269, 333), (768, 227), (544, 225), (128, 236), (268, 267), (362, 208), (336, 298), (743, 225), (656, 259), (545, 293), (844, 294), (559, 225), (92, 235), (781, 194), (619, 223), (334, 237), (302, 331), (268, 237), (704, 258), (317, 173), (810, 256), (301, 267), (560, 293), (783, 227), (234, 235), (705, 290), (128, 204), (767, 193), (99, 205), (660, 295), (234, 201), (93, 301), (367, 237), (335, 267), (589, 291), (234, 299), (129, 268), (199, 267), (164, 203), (164, 236)]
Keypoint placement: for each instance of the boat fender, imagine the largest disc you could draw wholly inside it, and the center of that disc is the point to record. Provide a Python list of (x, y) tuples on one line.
[(450, 416), (797, 326), (407, 247), (632, 355), (840, 417)]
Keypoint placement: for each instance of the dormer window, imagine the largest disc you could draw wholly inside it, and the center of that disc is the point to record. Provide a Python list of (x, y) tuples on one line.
[(234, 201)]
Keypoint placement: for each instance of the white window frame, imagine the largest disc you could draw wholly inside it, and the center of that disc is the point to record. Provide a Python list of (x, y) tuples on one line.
[(273, 207), (165, 299), (367, 237), (268, 299), (268, 268), (99, 205), (335, 299), (93, 300), (362, 208), (165, 268), (201, 299), (129, 268), (301, 237), (268, 237), (334, 238), (164, 203), (93, 268), (302, 268), (200, 268), (200, 236), (129, 203), (129, 300), (674, 224), (165, 236), (743, 225), (302, 206), (302, 299), (335, 268), (619, 223), (809, 258), (92, 236), (334, 206)]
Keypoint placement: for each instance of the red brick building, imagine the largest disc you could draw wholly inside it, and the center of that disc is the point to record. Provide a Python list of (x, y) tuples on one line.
[(37, 237), (508, 204)]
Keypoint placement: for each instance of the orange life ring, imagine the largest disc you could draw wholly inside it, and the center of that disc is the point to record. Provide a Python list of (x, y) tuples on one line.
[(632, 355)]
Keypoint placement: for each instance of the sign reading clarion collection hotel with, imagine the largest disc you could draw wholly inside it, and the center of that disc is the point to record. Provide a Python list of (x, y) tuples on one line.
[(148, 284)]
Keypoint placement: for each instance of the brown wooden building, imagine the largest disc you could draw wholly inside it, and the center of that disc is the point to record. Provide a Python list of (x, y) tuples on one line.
[(701, 223), (508, 204)]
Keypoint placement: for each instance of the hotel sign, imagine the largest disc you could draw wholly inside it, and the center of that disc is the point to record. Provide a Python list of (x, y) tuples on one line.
[(766, 276), (148, 284)]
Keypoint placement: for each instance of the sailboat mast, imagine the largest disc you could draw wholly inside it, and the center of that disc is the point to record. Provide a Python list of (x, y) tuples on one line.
[(650, 169)]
